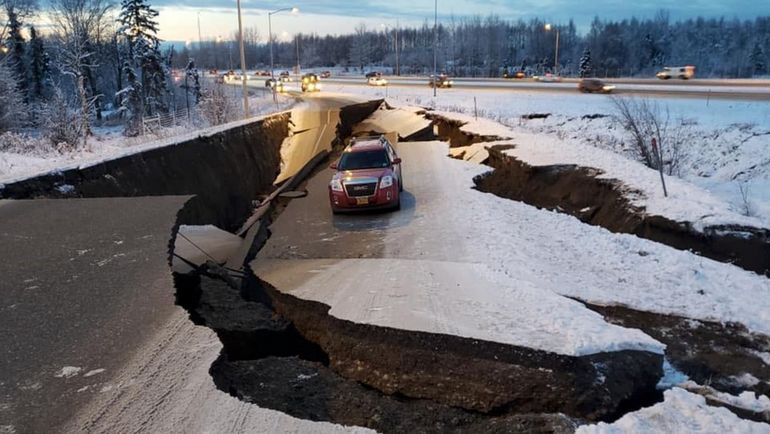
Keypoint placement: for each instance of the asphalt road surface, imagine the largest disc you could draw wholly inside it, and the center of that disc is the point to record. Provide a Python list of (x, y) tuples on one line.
[(738, 90), (84, 283)]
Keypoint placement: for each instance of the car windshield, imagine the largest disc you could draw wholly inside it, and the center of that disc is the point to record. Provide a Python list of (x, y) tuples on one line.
[(364, 160)]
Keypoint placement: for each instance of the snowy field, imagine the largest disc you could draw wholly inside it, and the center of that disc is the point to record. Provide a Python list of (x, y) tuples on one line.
[(33, 157), (726, 144)]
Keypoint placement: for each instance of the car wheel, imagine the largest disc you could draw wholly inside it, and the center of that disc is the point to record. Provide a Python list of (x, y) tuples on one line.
[(401, 183), (397, 206)]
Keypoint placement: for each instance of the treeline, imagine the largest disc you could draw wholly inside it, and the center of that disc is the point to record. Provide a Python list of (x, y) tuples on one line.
[(477, 46), (88, 69)]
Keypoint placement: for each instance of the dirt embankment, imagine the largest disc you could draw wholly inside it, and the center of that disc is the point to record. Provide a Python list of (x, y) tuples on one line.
[(225, 171), (720, 355), (603, 202)]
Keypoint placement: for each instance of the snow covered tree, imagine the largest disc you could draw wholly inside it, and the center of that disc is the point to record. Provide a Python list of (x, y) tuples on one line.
[(61, 124), (758, 59), (585, 67), (216, 106), (360, 49), (140, 28), (192, 81), (16, 56), (12, 106), (38, 63), (131, 102)]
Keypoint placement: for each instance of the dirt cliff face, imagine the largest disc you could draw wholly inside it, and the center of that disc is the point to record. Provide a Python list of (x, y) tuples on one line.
[(225, 171)]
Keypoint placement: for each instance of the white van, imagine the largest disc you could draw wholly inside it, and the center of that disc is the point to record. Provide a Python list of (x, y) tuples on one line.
[(682, 72)]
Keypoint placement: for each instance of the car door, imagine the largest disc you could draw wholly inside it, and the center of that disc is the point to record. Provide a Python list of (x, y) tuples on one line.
[(397, 167)]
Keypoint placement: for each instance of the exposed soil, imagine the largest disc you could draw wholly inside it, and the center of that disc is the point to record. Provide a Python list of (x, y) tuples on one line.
[(602, 202), (473, 374), (312, 391), (450, 131), (709, 353)]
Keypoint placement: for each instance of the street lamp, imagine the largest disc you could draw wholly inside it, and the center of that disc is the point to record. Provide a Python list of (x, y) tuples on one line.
[(270, 36), (395, 30), (548, 28), (244, 89), (435, 42)]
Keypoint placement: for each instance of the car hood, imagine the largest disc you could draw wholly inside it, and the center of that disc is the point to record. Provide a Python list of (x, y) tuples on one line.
[(363, 173)]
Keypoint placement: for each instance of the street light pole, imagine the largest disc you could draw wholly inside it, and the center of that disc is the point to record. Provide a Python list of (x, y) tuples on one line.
[(548, 28), (243, 65), (398, 46), (270, 36), (435, 42), (298, 69)]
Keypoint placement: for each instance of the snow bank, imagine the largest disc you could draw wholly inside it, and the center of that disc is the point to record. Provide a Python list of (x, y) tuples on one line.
[(685, 203), (680, 412)]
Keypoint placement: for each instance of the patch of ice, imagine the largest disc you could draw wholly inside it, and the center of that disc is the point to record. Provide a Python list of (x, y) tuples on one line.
[(68, 372), (65, 188), (762, 355), (94, 372), (671, 376), (745, 380)]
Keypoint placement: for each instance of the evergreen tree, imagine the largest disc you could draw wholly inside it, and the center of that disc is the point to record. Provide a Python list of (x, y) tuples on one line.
[(140, 29), (192, 81), (758, 59), (38, 63), (12, 106), (131, 102), (585, 67), (16, 54)]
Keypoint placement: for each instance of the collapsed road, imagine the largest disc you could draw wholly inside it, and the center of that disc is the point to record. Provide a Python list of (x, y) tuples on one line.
[(394, 322)]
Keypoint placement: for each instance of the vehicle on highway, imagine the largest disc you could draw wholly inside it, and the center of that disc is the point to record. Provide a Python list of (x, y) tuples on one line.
[(285, 77), (371, 74), (442, 80), (277, 84), (310, 83), (326, 74), (213, 72), (377, 81), (547, 78), (680, 72), (262, 73), (367, 176), (594, 85), (515, 74)]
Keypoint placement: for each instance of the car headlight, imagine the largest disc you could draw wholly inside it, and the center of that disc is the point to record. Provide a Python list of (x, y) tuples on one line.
[(386, 181), (336, 185)]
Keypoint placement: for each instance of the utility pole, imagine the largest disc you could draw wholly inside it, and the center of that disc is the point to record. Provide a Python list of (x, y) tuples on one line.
[(435, 42), (398, 66), (243, 65), (298, 69), (200, 40)]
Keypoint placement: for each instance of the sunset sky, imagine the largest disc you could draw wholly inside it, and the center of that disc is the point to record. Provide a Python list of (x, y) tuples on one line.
[(178, 19)]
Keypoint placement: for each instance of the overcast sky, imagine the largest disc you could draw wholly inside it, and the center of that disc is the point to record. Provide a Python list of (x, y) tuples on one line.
[(178, 18)]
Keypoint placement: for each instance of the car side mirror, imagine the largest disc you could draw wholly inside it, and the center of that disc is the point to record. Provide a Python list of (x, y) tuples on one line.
[(396, 161), (333, 166)]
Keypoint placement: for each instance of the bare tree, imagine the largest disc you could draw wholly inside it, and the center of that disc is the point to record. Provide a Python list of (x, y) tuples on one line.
[(77, 24)]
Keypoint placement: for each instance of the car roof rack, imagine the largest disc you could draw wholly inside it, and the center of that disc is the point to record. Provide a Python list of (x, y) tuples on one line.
[(381, 138)]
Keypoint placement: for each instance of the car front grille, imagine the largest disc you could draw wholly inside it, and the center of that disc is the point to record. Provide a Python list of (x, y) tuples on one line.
[(357, 190)]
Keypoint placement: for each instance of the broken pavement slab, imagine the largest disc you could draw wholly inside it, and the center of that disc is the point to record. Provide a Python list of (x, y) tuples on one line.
[(403, 122), (441, 331)]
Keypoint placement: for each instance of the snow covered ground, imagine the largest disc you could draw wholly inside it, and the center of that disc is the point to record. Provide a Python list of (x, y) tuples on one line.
[(108, 143), (680, 412), (726, 143)]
